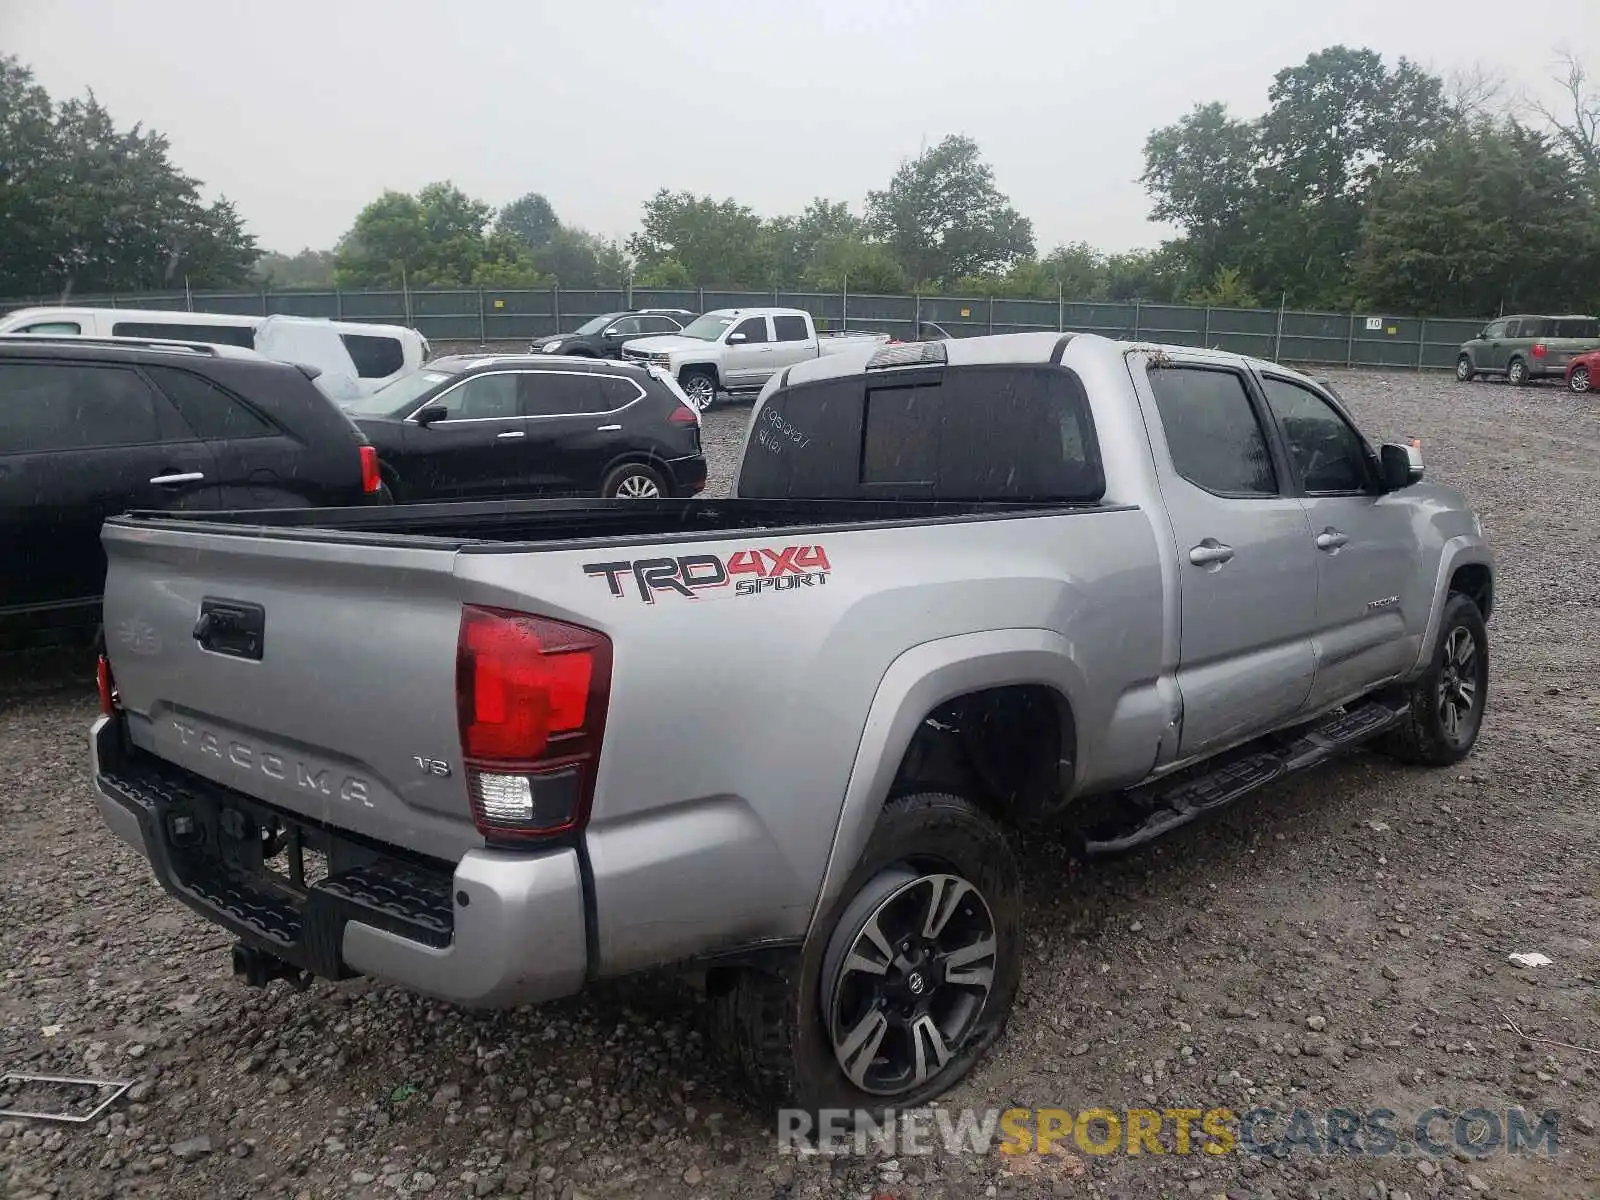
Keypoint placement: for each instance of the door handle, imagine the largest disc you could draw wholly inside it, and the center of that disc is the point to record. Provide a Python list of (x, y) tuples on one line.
[(607, 428), (1210, 553), (173, 480), (511, 433), (1331, 539)]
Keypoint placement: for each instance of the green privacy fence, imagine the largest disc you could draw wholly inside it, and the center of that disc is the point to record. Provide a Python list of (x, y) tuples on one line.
[(487, 315)]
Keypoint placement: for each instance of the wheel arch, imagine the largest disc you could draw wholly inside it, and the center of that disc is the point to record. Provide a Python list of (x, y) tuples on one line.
[(701, 368), (1028, 668), (1465, 565)]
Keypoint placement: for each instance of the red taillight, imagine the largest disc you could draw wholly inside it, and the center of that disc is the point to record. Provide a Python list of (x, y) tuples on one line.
[(371, 481), (683, 415), (1538, 350), (531, 696), (107, 686)]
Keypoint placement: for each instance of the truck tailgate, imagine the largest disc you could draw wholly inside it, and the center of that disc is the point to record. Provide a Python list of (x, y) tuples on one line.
[(330, 673)]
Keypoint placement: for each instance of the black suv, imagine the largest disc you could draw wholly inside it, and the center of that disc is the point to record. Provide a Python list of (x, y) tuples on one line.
[(93, 427), (478, 427), (603, 336)]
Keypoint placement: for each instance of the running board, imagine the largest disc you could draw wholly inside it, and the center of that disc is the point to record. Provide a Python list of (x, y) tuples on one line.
[(1174, 805)]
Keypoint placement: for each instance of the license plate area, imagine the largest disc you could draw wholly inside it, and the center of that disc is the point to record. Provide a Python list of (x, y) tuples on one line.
[(255, 840)]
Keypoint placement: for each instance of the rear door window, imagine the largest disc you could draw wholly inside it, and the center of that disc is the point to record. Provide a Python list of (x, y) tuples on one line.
[(573, 393), (652, 325), (1213, 434), (212, 413), (789, 329), (60, 406)]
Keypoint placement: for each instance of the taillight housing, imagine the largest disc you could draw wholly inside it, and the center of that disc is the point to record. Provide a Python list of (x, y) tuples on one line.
[(531, 698), (371, 480), (682, 414), (107, 686), (1539, 350)]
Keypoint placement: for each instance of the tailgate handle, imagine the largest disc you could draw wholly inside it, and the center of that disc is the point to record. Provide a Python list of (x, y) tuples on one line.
[(236, 628)]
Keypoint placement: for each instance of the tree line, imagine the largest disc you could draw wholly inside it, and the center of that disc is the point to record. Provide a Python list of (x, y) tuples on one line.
[(1362, 185)]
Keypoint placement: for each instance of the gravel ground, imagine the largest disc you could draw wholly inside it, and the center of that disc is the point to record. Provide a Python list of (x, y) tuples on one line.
[(1341, 940)]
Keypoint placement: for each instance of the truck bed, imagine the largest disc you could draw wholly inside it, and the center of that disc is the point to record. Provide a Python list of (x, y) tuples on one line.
[(576, 523), (304, 669)]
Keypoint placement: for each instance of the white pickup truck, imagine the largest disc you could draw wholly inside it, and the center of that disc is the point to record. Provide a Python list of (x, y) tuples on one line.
[(739, 349)]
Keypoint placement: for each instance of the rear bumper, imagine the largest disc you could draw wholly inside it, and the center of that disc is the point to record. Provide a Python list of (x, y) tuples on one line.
[(497, 929), (687, 476)]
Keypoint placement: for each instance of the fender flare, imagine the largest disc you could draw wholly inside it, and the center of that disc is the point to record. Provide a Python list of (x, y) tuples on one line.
[(1463, 550), (917, 682), (710, 368)]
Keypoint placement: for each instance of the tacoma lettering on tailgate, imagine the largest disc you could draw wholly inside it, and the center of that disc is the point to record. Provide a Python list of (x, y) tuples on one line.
[(749, 572), (310, 777)]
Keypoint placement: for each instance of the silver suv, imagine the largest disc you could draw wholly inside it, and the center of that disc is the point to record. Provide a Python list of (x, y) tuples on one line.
[(1524, 348)]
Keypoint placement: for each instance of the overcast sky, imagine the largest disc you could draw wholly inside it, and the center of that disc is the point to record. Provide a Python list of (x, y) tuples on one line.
[(302, 112)]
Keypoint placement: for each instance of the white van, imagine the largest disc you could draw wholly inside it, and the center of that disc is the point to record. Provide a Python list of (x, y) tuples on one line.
[(355, 358)]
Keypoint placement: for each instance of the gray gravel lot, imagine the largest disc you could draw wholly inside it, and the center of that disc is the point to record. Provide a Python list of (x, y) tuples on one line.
[(1341, 940)]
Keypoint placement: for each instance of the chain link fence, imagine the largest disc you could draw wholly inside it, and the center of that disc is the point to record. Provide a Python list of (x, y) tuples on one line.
[(489, 316)]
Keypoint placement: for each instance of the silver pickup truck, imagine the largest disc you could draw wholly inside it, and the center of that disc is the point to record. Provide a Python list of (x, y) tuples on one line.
[(783, 741)]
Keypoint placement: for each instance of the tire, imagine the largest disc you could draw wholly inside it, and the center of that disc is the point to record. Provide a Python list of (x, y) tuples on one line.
[(1428, 736), (700, 387), (1580, 381), (1464, 371), (633, 481), (782, 1025), (1517, 373)]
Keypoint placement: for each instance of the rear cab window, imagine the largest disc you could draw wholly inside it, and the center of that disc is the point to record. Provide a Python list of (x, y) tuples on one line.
[(972, 433)]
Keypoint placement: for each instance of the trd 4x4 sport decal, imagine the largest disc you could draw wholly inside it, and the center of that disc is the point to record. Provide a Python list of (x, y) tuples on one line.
[(750, 572)]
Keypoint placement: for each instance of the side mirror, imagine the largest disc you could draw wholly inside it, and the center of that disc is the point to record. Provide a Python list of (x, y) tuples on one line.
[(613, 332), (1402, 464), (434, 412), (736, 337)]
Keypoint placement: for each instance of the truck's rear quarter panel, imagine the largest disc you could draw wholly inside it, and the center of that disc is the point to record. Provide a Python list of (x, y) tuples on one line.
[(735, 717)]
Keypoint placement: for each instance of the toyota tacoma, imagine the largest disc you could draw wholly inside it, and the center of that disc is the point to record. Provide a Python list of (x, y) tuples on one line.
[(493, 752)]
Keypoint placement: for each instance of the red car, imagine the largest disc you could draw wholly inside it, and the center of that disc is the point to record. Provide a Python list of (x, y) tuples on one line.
[(1583, 372)]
